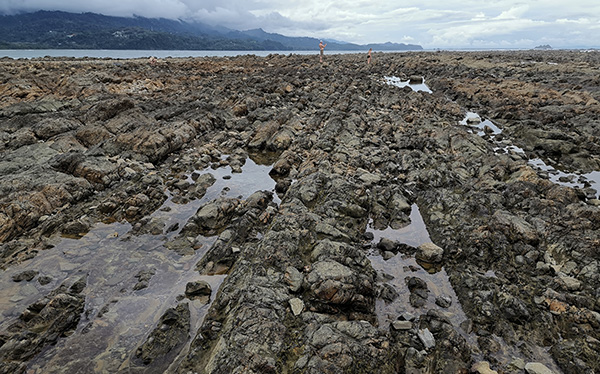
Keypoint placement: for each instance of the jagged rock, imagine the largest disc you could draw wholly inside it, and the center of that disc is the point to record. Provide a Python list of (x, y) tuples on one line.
[(569, 283), (26, 275), (89, 141), (402, 325), (386, 244), (143, 277), (44, 280), (293, 278), (427, 338), (197, 289), (264, 131), (41, 325), (443, 301), (168, 337), (335, 283), (387, 292), (297, 306)]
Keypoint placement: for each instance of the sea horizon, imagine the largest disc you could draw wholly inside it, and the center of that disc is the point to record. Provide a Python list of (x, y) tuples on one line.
[(132, 54)]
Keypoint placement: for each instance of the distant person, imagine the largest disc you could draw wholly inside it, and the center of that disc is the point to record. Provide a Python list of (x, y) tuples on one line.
[(369, 56), (321, 47), (152, 60)]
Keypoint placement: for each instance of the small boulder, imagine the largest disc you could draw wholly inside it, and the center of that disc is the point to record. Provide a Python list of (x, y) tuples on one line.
[(197, 289), (427, 338), (429, 252), (293, 278), (387, 245), (25, 276), (537, 368), (569, 283), (297, 306), (402, 325), (482, 367), (443, 301)]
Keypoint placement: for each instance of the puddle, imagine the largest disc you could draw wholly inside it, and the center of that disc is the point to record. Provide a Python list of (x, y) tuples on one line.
[(414, 234), (254, 177), (401, 266), (507, 353), (474, 121), (574, 180), (112, 257), (438, 283), (111, 264), (395, 81)]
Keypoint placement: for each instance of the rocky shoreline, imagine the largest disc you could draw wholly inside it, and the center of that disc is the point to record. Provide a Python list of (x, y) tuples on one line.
[(132, 225)]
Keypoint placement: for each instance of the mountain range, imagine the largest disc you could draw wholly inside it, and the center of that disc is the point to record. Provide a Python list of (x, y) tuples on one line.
[(62, 30)]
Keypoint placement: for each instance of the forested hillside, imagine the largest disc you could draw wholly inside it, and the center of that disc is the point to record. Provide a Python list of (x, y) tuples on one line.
[(61, 30)]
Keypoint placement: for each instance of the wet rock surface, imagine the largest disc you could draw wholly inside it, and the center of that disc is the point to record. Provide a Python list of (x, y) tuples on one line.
[(40, 326), (90, 143), (172, 332)]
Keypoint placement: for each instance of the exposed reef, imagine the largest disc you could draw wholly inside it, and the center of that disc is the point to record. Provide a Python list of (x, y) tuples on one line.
[(266, 191)]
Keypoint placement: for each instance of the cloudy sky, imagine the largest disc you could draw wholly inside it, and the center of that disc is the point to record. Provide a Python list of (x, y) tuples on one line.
[(430, 23)]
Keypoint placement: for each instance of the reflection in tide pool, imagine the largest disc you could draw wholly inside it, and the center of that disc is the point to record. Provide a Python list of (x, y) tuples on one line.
[(118, 316), (254, 177), (414, 234), (402, 266), (573, 180), (395, 81), (474, 120)]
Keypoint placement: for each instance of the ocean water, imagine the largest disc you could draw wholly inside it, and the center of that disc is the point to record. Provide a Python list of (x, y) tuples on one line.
[(126, 54)]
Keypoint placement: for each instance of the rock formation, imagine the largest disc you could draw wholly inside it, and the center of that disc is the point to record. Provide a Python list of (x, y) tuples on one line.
[(85, 141)]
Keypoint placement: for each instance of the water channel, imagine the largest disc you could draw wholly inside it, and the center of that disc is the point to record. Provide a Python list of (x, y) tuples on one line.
[(117, 317), (570, 179)]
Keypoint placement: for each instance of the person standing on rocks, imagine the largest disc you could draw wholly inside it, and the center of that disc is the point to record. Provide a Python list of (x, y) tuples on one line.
[(369, 56), (321, 47)]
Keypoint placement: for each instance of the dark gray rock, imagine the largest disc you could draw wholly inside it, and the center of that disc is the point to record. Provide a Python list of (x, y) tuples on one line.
[(26, 275), (41, 325), (167, 338), (105, 141), (197, 289)]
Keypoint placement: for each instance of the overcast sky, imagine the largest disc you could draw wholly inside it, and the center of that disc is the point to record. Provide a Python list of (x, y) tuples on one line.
[(430, 23)]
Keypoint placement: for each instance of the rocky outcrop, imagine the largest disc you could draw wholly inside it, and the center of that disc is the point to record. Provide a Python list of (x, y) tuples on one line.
[(169, 336), (40, 326), (350, 154)]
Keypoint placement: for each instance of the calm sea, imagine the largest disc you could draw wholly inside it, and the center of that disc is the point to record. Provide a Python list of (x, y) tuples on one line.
[(125, 54)]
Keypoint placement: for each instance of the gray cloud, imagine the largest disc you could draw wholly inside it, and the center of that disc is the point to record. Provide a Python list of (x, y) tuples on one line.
[(433, 24)]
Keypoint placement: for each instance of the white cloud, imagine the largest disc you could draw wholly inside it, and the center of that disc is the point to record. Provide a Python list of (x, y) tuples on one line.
[(580, 21), (514, 13)]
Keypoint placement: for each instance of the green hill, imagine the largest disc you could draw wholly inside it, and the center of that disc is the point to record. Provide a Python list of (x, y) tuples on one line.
[(62, 30)]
